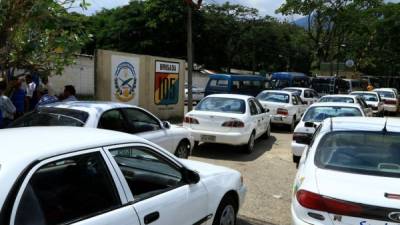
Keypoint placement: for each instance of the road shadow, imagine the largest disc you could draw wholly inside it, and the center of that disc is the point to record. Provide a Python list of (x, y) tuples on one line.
[(280, 129), (242, 220), (234, 153)]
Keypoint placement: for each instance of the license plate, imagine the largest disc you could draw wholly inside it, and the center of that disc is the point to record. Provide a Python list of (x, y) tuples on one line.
[(277, 118), (207, 138)]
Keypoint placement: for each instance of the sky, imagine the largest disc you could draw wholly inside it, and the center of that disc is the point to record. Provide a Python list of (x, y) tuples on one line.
[(266, 7)]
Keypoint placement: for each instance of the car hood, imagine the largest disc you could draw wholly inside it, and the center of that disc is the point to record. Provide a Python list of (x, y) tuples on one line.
[(205, 169)]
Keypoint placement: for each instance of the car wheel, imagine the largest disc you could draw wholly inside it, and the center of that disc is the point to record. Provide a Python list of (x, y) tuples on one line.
[(249, 148), (226, 212), (182, 151)]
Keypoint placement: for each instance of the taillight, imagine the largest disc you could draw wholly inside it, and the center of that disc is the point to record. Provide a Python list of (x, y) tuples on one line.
[(190, 120), (233, 123), (318, 202), (390, 102), (281, 111)]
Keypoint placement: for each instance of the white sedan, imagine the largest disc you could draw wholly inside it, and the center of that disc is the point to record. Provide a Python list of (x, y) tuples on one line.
[(349, 99), (373, 100), (228, 119), (112, 116), (314, 115), (69, 175), (285, 107), (390, 99), (308, 95), (349, 174)]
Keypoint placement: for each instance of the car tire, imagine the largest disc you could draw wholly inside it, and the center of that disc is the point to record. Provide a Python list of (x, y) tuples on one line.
[(226, 212), (249, 147), (183, 150)]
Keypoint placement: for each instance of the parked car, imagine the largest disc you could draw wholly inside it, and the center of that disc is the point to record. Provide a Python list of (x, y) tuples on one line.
[(228, 119), (349, 99), (314, 115), (307, 95), (373, 100), (235, 84), (197, 94), (112, 116), (284, 107), (390, 99), (349, 174), (69, 175), (280, 80)]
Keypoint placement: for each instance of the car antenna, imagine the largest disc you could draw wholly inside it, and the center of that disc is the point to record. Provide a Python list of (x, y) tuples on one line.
[(384, 128)]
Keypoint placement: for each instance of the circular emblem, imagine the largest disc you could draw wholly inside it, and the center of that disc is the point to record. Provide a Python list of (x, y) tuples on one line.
[(394, 216), (350, 63), (125, 82)]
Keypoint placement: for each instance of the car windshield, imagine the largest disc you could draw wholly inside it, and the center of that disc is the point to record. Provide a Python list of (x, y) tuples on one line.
[(318, 114), (273, 97), (368, 97), (337, 99), (347, 151), (218, 104), (386, 94), (295, 91), (52, 117)]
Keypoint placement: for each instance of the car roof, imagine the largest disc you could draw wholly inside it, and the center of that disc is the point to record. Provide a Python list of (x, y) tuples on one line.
[(237, 77), (361, 124), (384, 89), (283, 75), (243, 97), (90, 106), (298, 88), (335, 104), (278, 91), (364, 92), (340, 96)]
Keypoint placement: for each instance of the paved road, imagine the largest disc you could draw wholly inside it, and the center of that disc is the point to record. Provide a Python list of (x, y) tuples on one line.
[(268, 173)]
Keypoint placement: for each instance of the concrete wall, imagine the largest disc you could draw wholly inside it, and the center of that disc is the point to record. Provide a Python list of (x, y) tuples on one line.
[(81, 75), (146, 82)]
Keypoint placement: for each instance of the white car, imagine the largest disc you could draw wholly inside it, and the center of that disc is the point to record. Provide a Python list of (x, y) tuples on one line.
[(228, 119), (308, 95), (112, 116), (285, 107), (349, 99), (69, 175), (390, 99), (373, 100), (349, 174), (197, 94), (314, 115)]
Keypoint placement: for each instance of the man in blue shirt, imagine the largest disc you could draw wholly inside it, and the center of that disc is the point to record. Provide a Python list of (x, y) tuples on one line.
[(45, 98)]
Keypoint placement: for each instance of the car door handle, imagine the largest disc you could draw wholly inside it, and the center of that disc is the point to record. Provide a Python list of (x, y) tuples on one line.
[(151, 217)]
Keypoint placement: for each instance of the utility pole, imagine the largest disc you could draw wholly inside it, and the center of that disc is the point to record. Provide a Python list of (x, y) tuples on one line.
[(190, 5)]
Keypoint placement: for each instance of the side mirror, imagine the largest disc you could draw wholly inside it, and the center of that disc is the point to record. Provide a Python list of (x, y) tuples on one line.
[(191, 177), (309, 124), (166, 125)]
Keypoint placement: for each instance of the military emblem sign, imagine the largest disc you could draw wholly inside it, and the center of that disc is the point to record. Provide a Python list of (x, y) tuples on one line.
[(125, 79)]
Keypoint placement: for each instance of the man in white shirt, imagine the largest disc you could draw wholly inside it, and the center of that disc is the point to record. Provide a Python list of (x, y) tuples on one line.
[(30, 91)]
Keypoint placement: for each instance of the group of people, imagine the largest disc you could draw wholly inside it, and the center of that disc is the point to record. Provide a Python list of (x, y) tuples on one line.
[(22, 95)]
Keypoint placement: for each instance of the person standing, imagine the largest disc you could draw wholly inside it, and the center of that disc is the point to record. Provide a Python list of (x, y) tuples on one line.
[(45, 98), (18, 97), (69, 93), (7, 108), (31, 94), (46, 85)]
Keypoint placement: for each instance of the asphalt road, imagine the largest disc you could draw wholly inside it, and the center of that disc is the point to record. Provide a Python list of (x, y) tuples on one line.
[(268, 174)]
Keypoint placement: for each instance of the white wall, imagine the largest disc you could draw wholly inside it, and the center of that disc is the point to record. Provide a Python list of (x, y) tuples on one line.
[(81, 75)]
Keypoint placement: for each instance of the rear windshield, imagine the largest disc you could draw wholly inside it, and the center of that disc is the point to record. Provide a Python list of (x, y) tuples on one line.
[(386, 94), (368, 97), (373, 153), (318, 114), (295, 91), (227, 105), (337, 99), (273, 97), (52, 117)]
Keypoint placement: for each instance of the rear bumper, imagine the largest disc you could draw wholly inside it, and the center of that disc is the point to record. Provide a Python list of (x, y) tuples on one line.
[(390, 108), (298, 149), (230, 138), (295, 219), (279, 119)]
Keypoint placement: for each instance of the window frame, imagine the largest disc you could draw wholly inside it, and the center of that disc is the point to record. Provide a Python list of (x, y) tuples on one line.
[(250, 101), (32, 170), (295, 101), (124, 114), (116, 109), (153, 150)]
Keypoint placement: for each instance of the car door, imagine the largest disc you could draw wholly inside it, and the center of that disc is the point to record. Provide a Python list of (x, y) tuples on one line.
[(264, 116), (295, 109), (364, 106), (77, 188), (256, 118), (157, 187)]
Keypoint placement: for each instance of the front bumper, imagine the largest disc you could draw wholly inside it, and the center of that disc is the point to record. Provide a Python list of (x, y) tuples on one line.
[(230, 138), (280, 119), (298, 149)]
